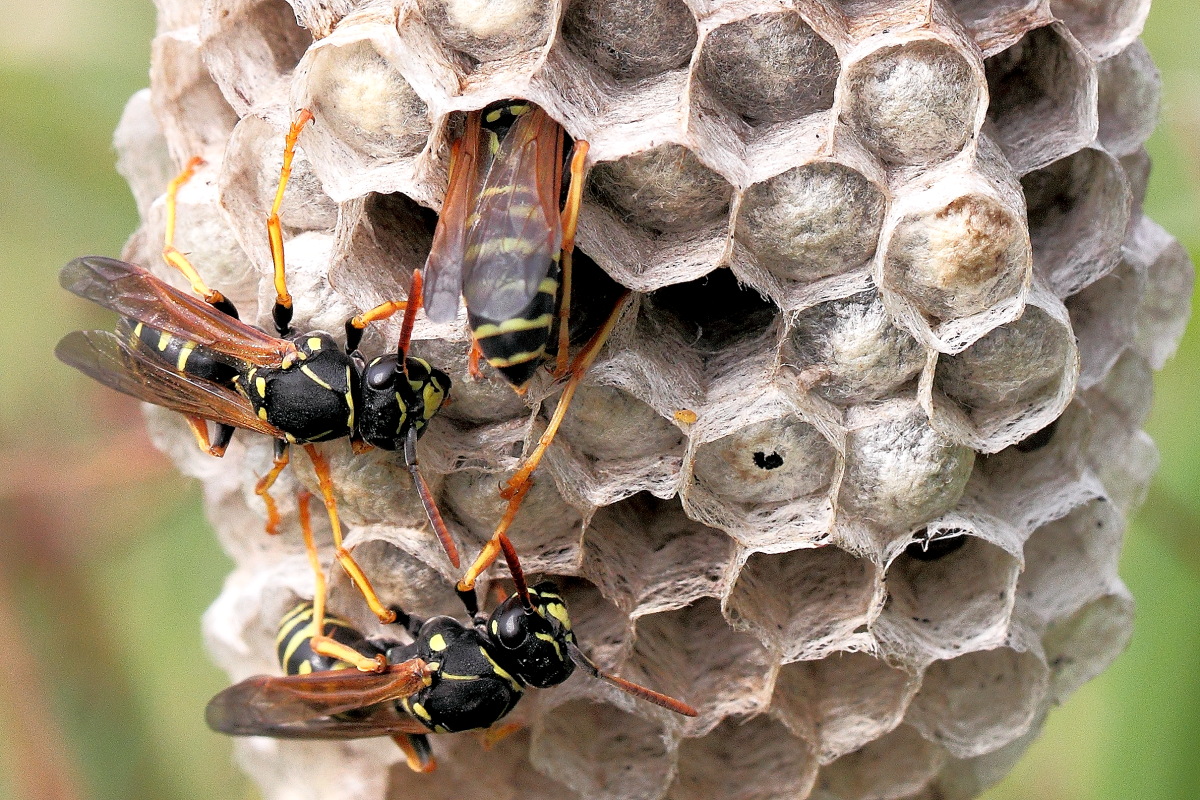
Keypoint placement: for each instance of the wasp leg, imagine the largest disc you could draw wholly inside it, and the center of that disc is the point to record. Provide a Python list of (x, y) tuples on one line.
[(177, 259), (320, 643), (282, 313), (577, 370), (359, 578), (490, 737), (570, 218), (491, 550), (214, 447), (473, 361), (357, 324), (263, 487), (417, 752)]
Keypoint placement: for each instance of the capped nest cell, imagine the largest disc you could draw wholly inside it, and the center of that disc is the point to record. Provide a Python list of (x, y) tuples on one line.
[(851, 471)]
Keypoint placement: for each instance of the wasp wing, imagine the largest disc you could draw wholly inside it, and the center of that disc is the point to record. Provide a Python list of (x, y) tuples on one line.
[(133, 292), (517, 232), (114, 362), (444, 266), (302, 704)]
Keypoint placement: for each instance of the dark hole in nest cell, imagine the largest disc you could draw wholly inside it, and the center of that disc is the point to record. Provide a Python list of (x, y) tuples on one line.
[(768, 460), (935, 549), (1038, 440), (714, 310)]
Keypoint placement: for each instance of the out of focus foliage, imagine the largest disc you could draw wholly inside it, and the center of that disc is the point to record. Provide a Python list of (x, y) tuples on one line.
[(106, 562)]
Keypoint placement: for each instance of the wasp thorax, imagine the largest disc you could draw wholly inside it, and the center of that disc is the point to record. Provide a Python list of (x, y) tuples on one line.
[(311, 397)]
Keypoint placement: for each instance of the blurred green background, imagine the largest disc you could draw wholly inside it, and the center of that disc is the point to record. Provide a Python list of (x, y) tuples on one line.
[(106, 562)]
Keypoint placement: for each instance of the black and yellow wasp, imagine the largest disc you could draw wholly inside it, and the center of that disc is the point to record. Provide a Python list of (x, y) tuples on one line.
[(504, 243), (196, 357), (451, 677)]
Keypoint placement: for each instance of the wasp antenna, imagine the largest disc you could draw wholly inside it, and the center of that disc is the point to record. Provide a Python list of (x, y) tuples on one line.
[(514, 566), (661, 700), (431, 509)]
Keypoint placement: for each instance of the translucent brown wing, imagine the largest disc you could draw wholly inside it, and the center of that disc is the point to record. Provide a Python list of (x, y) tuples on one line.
[(134, 293), (444, 267), (110, 359), (301, 706), (517, 231)]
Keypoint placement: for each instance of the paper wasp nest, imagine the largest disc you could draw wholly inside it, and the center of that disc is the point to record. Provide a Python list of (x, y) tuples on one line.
[(892, 256)]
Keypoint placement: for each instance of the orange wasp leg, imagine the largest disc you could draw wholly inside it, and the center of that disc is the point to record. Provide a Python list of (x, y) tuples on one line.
[(359, 578), (321, 643), (473, 361), (418, 758), (263, 487), (283, 300), (570, 219), (178, 260)]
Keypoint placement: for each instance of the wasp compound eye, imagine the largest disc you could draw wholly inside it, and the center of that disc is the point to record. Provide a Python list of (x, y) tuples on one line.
[(381, 373)]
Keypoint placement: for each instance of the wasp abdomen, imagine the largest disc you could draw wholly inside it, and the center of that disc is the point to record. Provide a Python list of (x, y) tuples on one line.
[(185, 356)]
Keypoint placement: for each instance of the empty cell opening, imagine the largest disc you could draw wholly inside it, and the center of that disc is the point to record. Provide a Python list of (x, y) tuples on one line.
[(251, 50), (812, 221), (1038, 439), (893, 766), (805, 602), (1040, 106), (769, 68), (755, 758), (1103, 317), (913, 103), (1129, 89), (1071, 560), (854, 348), (649, 556), (1078, 212), (402, 229), (694, 655), (664, 190), (981, 701), (1104, 26), (952, 593), (771, 461), (842, 701), (365, 103), (715, 311), (631, 40), (600, 751), (1082, 646), (958, 259)]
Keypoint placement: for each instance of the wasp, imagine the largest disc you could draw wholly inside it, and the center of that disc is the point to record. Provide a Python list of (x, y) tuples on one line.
[(504, 243), (196, 356), (451, 677)]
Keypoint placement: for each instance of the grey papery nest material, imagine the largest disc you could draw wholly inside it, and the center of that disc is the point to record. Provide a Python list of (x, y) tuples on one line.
[(876, 246)]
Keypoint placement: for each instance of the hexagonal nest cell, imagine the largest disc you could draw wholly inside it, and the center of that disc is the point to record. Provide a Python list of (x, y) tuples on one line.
[(850, 471)]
